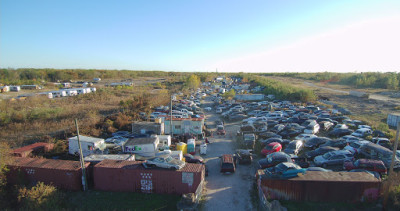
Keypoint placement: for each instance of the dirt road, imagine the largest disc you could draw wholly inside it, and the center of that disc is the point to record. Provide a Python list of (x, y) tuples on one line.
[(226, 192)]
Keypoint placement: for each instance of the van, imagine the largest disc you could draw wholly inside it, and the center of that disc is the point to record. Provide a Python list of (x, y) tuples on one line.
[(377, 152), (363, 132), (228, 164)]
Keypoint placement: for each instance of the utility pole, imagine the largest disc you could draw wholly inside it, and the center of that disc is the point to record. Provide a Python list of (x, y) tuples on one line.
[(389, 181), (396, 143), (84, 181), (170, 121)]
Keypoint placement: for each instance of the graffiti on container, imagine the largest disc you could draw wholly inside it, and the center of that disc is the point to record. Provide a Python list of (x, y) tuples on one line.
[(30, 171), (146, 183), (187, 178)]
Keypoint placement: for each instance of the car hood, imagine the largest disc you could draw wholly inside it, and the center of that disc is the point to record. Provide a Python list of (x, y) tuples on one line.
[(319, 158), (177, 162)]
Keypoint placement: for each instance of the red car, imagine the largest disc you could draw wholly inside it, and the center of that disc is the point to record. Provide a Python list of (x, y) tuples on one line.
[(228, 164), (271, 147), (221, 130), (367, 164)]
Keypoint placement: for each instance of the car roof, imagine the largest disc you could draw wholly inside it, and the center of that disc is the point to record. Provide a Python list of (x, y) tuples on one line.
[(273, 144), (227, 158)]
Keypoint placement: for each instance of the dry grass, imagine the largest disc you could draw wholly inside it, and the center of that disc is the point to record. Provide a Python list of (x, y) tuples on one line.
[(32, 119)]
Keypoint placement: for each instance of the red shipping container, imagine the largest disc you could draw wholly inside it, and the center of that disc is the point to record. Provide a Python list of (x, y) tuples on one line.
[(60, 173), (131, 176)]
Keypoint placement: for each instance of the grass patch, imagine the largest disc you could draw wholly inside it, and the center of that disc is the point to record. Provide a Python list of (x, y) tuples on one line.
[(99, 200)]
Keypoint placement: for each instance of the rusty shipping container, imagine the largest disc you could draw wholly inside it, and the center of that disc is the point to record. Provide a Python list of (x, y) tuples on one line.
[(60, 173), (322, 187), (35, 148), (131, 176)]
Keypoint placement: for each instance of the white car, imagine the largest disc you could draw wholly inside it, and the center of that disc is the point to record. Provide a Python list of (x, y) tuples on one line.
[(165, 161), (354, 147), (305, 136), (362, 132), (208, 108)]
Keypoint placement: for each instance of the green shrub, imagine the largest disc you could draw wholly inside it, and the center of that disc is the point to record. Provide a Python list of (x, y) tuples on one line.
[(39, 197)]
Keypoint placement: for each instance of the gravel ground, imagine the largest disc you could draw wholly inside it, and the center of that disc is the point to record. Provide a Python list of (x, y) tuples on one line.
[(226, 192)]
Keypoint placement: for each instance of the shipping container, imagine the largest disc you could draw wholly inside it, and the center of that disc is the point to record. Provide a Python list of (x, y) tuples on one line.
[(317, 186), (359, 94), (131, 176), (393, 119), (62, 174), (249, 97), (35, 148)]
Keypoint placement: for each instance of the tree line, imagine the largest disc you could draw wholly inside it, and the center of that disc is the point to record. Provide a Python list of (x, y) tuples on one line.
[(388, 80)]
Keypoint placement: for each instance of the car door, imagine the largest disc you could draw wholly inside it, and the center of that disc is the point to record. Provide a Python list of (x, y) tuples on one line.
[(336, 159)]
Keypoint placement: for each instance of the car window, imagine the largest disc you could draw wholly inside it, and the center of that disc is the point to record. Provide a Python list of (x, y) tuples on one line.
[(227, 166)]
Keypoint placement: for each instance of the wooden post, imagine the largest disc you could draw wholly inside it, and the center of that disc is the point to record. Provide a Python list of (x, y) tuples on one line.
[(82, 161)]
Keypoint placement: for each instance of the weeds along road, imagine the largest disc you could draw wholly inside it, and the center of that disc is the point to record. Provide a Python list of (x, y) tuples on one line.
[(226, 192)]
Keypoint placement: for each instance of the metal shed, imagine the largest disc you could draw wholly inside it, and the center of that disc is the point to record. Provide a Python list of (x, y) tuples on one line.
[(131, 176), (60, 173)]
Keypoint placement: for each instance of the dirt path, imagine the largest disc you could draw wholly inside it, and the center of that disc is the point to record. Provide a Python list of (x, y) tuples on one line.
[(226, 192)]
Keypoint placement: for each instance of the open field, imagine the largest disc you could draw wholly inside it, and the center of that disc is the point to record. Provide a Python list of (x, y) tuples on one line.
[(36, 118)]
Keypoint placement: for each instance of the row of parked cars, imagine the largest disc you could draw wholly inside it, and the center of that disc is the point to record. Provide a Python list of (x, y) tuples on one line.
[(296, 138)]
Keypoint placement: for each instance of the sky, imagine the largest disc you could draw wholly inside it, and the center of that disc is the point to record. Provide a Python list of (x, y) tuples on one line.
[(202, 36)]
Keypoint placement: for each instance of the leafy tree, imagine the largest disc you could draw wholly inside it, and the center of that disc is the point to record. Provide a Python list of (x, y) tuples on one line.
[(5, 160), (229, 95), (193, 82)]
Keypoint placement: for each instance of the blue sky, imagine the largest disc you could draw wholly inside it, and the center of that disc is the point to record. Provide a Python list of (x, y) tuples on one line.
[(248, 36)]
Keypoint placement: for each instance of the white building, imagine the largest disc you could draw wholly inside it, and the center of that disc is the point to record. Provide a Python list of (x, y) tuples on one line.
[(90, 145)]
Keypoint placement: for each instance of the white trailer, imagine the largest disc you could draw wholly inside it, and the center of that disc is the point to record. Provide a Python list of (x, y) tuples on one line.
[(15, 88), (146, 147), (90, 145), (71, 92)]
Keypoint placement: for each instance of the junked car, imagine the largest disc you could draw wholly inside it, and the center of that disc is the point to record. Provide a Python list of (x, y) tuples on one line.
[(165, 161), (273, 159), (333, 158), (285, 170)]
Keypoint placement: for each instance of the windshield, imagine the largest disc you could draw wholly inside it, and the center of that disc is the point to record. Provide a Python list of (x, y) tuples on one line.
[(168, 159), (269, 147), (280, 168), (326, 155)]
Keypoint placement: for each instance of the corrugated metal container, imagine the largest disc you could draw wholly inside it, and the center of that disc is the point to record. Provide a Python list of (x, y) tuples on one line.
[(182, 147), (131, 176), (191, 146), (33, 148), (249, 97), (322, 187), (60, 173), (393, 119)]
